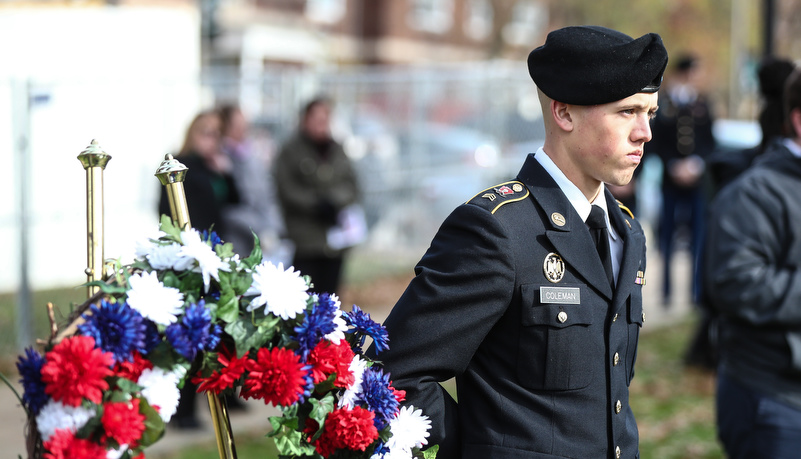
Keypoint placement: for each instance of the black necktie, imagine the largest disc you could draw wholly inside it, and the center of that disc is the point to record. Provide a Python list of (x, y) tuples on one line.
[(600, 234)]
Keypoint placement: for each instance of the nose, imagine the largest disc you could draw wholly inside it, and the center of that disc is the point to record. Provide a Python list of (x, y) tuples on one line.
[(642, 131)]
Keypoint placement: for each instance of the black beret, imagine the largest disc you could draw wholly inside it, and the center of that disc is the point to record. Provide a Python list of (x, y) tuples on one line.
[(590, 65)]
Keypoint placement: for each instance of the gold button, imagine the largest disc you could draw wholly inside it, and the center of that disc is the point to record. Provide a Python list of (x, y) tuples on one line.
[(614, 319), (617, 452), (616, 359), (643, 316), (561, 317), (618, 407)]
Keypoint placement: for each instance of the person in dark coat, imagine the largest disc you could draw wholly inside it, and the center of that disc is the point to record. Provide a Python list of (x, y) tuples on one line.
[(754, 282), (722, 167), (315, 182), (530, 294)]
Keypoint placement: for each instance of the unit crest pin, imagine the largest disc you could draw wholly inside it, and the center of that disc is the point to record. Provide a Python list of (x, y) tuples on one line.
[(553, 267)]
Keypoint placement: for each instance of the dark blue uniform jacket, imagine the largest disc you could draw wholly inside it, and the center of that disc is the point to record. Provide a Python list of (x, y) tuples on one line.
[(542, 367)]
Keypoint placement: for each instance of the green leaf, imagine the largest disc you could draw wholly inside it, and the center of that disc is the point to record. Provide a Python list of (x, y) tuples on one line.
[(154, 425), (228, 306), (224, 251), (170, 229), (246, 336), (320, 409), (292, 443), (431, 452), (241, 282), (162, 355), (106, 288), (126, 385), (255, 256)]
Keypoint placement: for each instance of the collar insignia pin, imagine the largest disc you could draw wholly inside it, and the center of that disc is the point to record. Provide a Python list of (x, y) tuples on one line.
[(558, 219)]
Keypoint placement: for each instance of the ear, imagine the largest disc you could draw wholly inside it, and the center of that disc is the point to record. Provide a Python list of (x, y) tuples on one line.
[(561, 113), (795, 121)]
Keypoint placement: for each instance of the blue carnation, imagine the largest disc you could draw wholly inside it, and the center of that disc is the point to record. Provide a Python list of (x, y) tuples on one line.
[(152, 337), (365, 326), (316, 324), (30, 368), (195, 332), (211, 237), (378, 396), (117, 328)]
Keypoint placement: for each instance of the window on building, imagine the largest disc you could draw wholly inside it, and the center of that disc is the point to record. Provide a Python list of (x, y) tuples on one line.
[(326, 11), (529, 18), (434, 16), (478, 19)]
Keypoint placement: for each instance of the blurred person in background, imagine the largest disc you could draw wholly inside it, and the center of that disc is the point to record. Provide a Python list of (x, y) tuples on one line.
[(258, 210), (683, 138), (319, 195), (753, 280), (209, 186), (723, 166)]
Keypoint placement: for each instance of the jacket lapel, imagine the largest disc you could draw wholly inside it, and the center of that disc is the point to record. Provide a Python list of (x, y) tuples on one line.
[(568, 234), (633, 244)]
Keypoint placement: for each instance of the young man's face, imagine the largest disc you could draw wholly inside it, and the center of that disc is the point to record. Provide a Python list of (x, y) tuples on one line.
[(608, 140)]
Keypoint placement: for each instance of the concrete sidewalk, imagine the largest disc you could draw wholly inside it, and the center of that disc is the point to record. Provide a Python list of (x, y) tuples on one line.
[(254, 420)]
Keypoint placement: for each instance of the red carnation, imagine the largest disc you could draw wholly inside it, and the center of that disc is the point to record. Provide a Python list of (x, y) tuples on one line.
[(217, 381), (327, 358), (123, 422), (276, 376), (75, 369), (400, 395), (133, 370), (64, 445), (347, 429)]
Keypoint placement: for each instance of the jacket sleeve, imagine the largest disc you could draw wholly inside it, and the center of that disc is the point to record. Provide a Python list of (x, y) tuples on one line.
[(748, 276), (463, 285)]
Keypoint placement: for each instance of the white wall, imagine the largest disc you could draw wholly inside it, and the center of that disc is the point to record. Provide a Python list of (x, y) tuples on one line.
[(125, 76)]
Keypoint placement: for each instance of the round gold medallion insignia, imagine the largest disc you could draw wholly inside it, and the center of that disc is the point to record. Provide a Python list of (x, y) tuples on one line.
[(558, 219), (517, 188), (553, 267)]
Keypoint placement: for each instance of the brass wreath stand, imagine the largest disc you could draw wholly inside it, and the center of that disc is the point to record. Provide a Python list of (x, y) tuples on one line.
[(171, 174)]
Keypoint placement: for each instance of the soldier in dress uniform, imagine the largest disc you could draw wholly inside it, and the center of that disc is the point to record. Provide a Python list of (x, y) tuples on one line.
[(530, 294)]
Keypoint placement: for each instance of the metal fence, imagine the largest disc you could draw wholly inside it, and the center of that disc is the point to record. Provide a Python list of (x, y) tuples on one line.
[(423, 139)]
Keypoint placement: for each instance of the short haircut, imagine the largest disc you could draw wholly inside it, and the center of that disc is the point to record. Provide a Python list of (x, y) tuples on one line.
[(792, 98)]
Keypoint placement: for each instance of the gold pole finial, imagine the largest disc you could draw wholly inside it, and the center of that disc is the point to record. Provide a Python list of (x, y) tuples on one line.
[(94, 161), (171, 173)]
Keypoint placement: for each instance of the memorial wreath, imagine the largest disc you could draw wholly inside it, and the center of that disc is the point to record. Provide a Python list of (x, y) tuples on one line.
[(189, 309)]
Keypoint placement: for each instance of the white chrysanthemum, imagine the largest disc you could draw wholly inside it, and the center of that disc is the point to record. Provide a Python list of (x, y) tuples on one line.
[(117, 453), (168, 256), (55, 415), (352, 393), (409, 430), (160, 389), (281, 292), (153, 300), (340, 327), (209, 264)]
